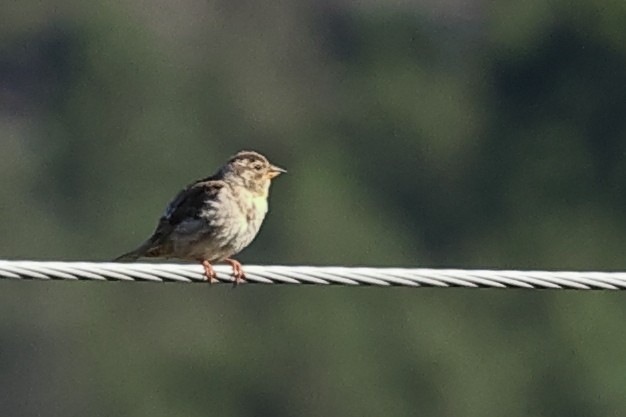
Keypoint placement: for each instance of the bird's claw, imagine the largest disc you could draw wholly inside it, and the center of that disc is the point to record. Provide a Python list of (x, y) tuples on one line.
[(238, 274), (209, 272)]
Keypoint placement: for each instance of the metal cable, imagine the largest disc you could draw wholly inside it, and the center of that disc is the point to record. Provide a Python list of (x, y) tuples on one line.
[(410, 277)]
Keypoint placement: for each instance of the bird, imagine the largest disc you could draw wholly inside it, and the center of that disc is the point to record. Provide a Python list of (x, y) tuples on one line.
[(214, 218)]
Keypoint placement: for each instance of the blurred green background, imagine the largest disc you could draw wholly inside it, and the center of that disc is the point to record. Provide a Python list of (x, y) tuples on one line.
[(446, 134)]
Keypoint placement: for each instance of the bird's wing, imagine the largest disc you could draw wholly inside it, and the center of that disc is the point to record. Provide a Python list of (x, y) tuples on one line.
[(189, 203), (186, 205)]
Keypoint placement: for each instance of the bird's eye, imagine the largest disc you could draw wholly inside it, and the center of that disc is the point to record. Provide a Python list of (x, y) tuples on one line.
[(258, 167)]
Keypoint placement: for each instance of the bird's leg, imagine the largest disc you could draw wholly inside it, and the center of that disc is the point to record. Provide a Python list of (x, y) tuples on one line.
[(210, 274), (238, 273)]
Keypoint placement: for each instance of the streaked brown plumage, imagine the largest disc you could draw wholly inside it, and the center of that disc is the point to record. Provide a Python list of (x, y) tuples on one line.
[(216, 217)]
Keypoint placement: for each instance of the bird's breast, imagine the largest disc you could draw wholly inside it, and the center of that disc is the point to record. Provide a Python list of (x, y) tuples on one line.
[(257, 208), (253, 214), (244, 222)]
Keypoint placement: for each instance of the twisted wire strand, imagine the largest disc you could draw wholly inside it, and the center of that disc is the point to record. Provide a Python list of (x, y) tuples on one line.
[(316, 275)]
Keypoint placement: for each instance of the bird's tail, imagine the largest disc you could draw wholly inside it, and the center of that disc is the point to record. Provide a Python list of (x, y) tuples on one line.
[(142, 251), (130, 256)]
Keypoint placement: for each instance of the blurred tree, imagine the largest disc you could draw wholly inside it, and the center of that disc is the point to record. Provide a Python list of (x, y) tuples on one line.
[(416, 133)]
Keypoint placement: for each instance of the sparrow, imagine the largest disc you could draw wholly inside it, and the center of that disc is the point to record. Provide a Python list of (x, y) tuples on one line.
[(214, 218)]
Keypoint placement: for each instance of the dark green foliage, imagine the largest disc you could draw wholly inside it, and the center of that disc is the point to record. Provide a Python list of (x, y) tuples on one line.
[(451, 135)]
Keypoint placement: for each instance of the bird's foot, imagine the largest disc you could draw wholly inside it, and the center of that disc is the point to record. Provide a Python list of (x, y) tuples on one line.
[(238, 273), (210, 274)]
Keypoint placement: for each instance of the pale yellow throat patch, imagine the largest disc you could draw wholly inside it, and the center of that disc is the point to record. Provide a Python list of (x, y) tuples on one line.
[(266, 190), (260, 203)]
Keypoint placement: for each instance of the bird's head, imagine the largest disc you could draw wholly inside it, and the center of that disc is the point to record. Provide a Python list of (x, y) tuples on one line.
[(251, 170)]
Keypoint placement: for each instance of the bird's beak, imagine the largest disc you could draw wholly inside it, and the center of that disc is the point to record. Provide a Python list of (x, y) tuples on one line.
[(275, 171)]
